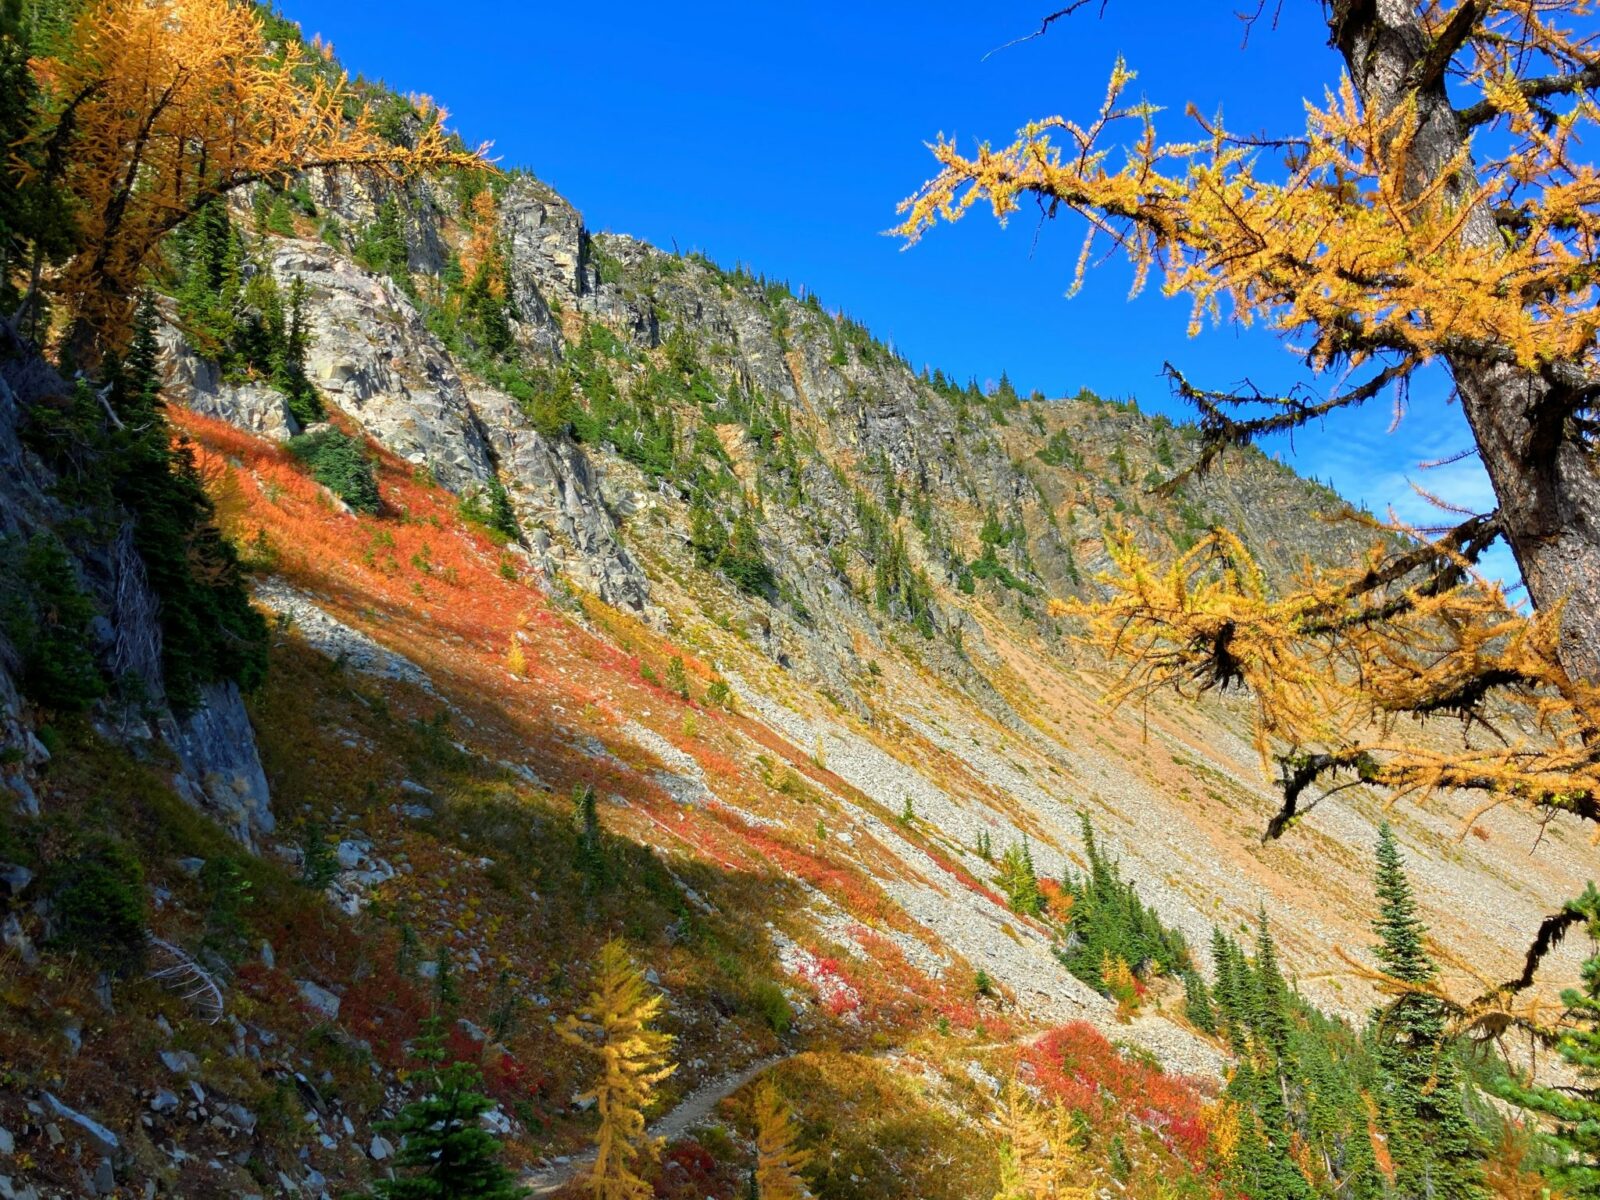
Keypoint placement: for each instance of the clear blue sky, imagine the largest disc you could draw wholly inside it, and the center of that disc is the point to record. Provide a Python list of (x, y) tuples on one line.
[(782, 136)]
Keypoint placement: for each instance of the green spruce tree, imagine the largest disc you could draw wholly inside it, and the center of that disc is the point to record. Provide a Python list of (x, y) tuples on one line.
[(1197, 1004), (1269, 1001), (444, 1152), (1435, 1148), (591, 850), (1574, 1109)]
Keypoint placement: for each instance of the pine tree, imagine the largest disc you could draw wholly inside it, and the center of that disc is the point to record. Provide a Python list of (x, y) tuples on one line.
[(210, 630), (289, 374), (1335, 1114), (591, 849), (1574, 1109), (383, 244), (1435, 1148), (1261, 1166), (614, 1025), (445, 1153), (778, 1160), (1197, 1002), (1235, 983), (1269, 1018)]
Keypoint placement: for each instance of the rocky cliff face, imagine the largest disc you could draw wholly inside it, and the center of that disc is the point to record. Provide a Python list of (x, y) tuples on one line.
[(843, 447), (216, 764)]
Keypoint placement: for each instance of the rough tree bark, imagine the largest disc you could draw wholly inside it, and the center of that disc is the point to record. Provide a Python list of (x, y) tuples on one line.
[(1543, 474)]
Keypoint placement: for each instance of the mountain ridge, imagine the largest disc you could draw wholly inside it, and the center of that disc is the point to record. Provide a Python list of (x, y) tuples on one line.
[(613, 593)]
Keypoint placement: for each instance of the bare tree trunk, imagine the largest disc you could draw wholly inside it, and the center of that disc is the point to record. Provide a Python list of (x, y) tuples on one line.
[(1544, 479)]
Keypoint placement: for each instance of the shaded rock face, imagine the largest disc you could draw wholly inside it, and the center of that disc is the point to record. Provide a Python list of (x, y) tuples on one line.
[(217, 748), (219, 767)]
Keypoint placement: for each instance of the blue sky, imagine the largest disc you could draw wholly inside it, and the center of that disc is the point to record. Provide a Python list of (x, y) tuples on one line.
[(783, 136)]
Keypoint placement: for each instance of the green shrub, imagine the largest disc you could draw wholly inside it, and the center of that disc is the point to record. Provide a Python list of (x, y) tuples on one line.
[(99, 904), (338, 463), (677, 677), (45, 616), (490, 507), (228, 894), (773, 1005)]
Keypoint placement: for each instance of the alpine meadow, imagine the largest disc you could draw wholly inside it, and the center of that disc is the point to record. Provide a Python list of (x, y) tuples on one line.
[(490, 707)]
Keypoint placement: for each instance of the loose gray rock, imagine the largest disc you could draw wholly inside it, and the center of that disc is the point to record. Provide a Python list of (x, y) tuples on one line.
[(13, 937), (180, 1062), (321, 1001), (107, 1141)]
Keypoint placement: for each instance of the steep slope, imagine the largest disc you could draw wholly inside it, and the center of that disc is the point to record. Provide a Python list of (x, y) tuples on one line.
[(865, 553), (598, 521)]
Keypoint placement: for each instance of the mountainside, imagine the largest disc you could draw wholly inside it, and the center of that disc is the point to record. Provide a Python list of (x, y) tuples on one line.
[(615, 593), (863, 552)]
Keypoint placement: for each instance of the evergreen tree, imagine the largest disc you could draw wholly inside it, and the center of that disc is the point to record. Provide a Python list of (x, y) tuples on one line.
[(708, 536), (502, 516), (1110, 923), (591, 850), (289, 366), (1269, 1002), (1435, 1148), (210, 631), (382, 246), (1332, 1073), (1574, 1109), (445, 1153), (1262, 1167), (487, 315), (1197, 1002), (45, 614), (211, 270), (1230, 1011), (743, 560)]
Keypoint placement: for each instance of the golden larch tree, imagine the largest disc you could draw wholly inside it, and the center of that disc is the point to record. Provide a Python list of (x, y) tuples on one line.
[(480, 254), (614, 1025), (1434, 209), (155, 109), (1039, 1156), (778, 1156)]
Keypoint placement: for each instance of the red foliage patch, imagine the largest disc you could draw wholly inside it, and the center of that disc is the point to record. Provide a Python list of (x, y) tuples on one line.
[(1079, 1066)]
